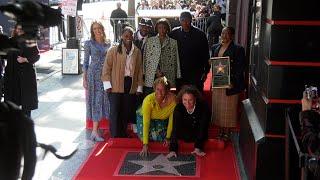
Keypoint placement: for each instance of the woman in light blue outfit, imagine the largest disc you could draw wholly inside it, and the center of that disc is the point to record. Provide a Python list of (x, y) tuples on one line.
[(97, 103)]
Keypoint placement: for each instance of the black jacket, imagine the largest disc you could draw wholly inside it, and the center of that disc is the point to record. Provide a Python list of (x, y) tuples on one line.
[(193, 53), (214, 25), (20, 79), (237, 66), (190, 127), (310, 131), (118, 13)]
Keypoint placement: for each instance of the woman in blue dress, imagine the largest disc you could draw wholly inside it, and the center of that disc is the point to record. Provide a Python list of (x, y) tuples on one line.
[(97, 103)]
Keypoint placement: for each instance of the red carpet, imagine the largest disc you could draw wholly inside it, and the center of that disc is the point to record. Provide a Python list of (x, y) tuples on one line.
[(102, 163)]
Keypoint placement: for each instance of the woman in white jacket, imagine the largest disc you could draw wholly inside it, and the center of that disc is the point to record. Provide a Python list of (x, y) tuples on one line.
[(161, 57)]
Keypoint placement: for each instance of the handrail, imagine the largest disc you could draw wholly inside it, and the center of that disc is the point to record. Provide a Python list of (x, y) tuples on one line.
[(253, 119), (293, 133)]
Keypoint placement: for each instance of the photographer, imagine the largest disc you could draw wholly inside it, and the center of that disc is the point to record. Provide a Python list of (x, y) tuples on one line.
[(310, 126), (20, 85)]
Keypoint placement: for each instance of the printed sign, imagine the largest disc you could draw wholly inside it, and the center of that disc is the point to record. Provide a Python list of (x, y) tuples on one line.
[(70, 61), (69, 7)]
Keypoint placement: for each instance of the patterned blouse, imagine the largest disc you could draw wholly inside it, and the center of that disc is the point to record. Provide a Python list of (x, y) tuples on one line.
[(164, 57)]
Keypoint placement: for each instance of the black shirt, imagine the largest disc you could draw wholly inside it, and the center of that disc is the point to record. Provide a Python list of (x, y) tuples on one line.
[(193, 53), (190, 127)]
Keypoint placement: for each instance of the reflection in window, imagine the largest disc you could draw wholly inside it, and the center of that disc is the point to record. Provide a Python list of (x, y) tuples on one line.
[(257, 22)]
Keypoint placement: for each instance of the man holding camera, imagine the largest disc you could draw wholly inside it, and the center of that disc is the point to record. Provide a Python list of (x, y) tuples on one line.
[(310, 124)]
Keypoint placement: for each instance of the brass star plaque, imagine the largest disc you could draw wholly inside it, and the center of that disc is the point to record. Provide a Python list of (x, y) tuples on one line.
[(220, 67)]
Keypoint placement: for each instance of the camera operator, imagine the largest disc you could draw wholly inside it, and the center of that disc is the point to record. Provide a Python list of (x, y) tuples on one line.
[(20, 78), (310, 128)]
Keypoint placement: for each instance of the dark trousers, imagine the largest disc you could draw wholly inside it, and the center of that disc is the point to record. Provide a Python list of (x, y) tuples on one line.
[(122, 110)]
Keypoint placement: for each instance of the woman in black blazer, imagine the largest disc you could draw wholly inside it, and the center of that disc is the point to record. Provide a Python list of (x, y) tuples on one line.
[(225, 100), (191, 118)]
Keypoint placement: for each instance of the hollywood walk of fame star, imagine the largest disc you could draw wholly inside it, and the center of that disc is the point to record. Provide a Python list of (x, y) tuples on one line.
[(220, 68), (160, 163)]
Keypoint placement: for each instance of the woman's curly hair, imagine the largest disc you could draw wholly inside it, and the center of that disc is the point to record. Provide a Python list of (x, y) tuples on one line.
[(189, 89)]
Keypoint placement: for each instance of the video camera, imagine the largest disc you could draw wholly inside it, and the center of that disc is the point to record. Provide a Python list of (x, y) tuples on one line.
[(30, 15), (311, 93)]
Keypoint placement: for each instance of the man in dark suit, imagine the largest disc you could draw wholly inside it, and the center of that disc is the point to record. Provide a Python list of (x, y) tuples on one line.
[(141, 35), (193, 52), (117, 18)]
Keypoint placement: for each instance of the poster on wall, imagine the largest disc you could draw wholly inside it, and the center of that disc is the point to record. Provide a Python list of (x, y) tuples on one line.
[(79, 26), (70, 61), (69, 7)]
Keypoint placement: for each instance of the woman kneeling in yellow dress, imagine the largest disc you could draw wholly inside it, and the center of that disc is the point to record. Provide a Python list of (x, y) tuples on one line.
[(154, 118)]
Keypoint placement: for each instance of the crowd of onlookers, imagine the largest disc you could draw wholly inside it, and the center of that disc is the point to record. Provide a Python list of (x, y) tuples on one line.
[(199, 8)]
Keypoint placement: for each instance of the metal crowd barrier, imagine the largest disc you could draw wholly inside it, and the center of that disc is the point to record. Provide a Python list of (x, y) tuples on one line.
[(118, 24), (112, 32), (201, 23)]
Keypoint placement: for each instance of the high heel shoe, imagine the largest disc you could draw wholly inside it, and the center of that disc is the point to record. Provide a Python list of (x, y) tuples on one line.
[(95, 137)]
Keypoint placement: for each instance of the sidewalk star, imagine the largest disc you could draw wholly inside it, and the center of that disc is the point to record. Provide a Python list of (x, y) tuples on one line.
[(160, 163)]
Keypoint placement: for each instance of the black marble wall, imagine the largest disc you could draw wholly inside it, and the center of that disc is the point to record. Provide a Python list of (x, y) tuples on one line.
[(285, 56)]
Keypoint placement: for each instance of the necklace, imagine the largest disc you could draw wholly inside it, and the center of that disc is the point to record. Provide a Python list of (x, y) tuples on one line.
[(192, 110)]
